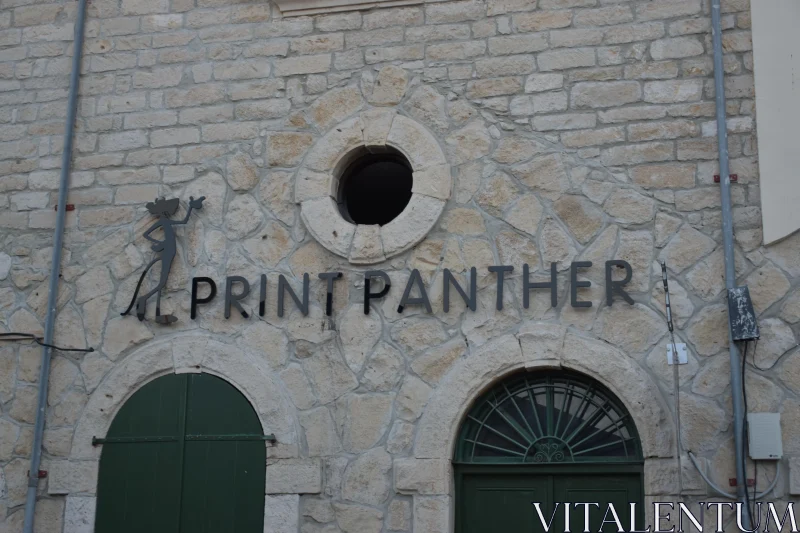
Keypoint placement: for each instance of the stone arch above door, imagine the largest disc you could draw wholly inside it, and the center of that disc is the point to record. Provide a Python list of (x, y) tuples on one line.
[(428, 474)]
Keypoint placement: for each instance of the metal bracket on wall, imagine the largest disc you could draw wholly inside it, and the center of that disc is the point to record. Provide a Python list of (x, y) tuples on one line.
[(734, 178), (683, 354), (135, 440)]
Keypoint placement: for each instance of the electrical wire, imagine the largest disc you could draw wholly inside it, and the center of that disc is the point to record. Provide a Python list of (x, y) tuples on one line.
[(13, 336), (745, 434)]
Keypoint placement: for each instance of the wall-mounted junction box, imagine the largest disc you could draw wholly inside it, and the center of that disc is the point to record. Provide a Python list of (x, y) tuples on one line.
[(764, 430)]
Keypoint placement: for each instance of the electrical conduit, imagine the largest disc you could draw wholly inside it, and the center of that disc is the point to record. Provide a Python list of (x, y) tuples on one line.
[(55, 268), (730, 273)]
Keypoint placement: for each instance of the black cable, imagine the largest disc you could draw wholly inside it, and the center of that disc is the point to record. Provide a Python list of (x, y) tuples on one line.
[(38, 340), (745, 432), (755, 347)]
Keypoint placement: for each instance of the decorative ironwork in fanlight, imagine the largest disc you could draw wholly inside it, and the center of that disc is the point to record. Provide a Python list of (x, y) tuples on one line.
[(551, 417)]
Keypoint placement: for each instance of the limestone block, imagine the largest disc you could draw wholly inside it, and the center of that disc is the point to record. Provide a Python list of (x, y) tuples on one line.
[(526, 214), (367, 246), (376, 124), (323, 220), (399, 516), (411, 226), (582, 218), (267, 248), (281, 513), (298, 386), (428, 106), (366, 419), (541, 341), (435, 182), (708, 331), (320, 510), (286, 149), (416, 143), (673, 91), (276, 194), (72, 477), (777, 338), (329, 374), (685, 248), (605, 94), (358, 334), (390, 86), (767, 285), (422, 476), (320, 432), (634, 328), (469, 143), (435, 363), (794, 476), (79, 513), (294, 476), (383, 369), (329, 150), (557, 246), (358, 519), (366, 479), (334, 106), (243, 217), (310, 185), (122, 333), (544, 174), (431, 514), (412, 398), (674, 48)]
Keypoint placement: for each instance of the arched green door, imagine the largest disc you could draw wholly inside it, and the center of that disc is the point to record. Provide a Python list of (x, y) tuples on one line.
[(186, 453), (547, 437)]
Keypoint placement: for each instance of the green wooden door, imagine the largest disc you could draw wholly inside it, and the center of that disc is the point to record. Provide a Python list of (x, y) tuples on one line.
[(500, 499), (186, 453), (551, 437)]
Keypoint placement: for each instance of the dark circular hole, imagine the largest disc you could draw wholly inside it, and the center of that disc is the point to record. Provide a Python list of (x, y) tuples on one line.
[(375, 188)]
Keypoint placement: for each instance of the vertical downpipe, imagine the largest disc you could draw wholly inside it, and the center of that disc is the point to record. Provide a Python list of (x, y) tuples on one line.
[(727, 242), (55, 268)]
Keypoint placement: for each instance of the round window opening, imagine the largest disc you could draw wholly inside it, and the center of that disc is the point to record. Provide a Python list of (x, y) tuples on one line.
[(375, 188)]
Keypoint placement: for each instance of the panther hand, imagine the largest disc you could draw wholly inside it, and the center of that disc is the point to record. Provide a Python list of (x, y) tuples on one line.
[(196, 204)]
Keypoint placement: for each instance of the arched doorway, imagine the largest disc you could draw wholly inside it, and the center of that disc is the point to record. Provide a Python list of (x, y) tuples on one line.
[(185, 453), (549, 437)]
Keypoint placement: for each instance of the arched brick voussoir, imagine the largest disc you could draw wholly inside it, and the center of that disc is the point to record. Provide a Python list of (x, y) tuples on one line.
[(412, 225), (182, 354), (334, 145), (631, 384), (416, 143), (324, 221), (542, 346)]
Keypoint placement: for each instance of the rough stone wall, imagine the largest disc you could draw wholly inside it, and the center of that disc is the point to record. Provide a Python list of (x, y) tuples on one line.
[(576, 130)]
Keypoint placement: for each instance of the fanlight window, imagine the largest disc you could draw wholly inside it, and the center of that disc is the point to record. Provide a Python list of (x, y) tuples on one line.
[(548, 418)]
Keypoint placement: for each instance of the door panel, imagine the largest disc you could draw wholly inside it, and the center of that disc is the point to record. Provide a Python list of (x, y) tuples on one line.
[(501, 501), (619, 490), (185, 454)]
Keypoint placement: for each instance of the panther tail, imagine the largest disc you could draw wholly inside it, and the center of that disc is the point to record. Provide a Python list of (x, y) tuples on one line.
[(136, 292)]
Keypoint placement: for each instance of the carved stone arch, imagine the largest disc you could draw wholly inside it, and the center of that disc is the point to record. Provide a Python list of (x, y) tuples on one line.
[(537, 346), (183, 354), (372, 131)]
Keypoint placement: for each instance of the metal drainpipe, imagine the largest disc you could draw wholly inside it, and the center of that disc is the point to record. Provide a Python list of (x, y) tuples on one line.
[(730, 272), (55, 268)]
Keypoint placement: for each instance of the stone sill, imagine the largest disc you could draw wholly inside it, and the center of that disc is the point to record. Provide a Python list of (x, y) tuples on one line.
[(296, 8)]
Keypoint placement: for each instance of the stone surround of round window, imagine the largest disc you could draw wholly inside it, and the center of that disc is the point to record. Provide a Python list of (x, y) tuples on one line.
[(373, 186)]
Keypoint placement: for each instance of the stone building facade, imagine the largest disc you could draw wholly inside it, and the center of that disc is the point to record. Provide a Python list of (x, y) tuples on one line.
[(539, 132)]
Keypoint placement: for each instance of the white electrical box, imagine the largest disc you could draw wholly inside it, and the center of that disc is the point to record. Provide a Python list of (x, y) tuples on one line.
[(764, 430)]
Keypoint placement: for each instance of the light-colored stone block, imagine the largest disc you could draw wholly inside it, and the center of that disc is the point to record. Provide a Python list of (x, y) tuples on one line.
[(281, 513), (294, 476)]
